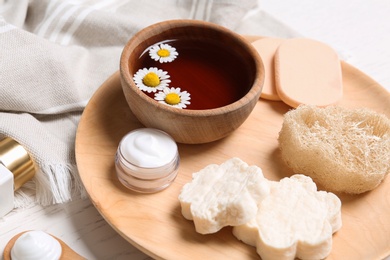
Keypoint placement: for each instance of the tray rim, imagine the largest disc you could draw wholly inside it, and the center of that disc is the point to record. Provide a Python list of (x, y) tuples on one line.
[(100, 90)]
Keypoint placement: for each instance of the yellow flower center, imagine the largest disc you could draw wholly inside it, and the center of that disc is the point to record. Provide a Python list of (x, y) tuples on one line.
[(172, 99), (163, 53), (151, 80)]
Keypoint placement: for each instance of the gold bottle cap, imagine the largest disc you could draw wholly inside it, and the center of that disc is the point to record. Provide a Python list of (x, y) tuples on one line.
[(17, 160)]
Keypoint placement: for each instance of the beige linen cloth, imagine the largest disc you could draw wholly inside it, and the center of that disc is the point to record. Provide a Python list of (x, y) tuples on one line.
[(55, 54)]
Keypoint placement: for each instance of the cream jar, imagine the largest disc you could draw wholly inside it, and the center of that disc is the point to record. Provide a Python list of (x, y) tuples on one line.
[(147, 160)]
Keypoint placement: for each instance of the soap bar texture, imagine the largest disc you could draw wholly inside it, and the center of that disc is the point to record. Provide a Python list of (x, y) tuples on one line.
[(294, 220), (223, 195)]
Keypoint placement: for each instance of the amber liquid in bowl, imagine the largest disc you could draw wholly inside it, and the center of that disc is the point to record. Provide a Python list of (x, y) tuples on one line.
[(213, 74)]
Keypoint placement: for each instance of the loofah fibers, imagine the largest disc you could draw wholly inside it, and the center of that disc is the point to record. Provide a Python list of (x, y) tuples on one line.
[(343, 150)]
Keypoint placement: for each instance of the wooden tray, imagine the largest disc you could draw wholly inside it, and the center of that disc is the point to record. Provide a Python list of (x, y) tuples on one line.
[(154, 223)]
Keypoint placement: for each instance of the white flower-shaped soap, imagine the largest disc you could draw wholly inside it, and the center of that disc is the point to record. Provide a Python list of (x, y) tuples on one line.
[(294, 220), (223, 195)]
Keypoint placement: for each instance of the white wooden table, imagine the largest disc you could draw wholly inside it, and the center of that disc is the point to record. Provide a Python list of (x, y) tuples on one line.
[(358, 29)]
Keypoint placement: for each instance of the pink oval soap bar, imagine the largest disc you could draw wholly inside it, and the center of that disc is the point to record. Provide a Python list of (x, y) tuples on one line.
[(307, 72), (266, 47)]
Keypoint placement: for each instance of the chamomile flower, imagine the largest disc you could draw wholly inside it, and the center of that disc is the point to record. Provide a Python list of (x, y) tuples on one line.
[(163, 53), (173, 97), (151, 80)]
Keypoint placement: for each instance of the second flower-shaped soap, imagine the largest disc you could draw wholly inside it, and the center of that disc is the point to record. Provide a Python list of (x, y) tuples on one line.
[(294, 220)]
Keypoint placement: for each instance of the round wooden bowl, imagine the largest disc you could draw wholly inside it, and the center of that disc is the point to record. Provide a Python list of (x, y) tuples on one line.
[(190, 126)]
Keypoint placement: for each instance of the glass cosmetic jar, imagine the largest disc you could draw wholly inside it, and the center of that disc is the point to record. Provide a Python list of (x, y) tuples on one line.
[(147, 160)]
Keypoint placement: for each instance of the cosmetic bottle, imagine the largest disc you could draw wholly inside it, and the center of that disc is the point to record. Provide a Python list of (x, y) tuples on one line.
[(16, 168), (147, 160)]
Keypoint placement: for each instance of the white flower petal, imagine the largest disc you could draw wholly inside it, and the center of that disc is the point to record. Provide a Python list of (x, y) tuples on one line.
[(184, 97), (141, 73), (153, 53)]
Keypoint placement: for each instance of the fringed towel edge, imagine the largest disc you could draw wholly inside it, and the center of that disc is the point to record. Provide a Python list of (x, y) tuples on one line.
[(52, 184)]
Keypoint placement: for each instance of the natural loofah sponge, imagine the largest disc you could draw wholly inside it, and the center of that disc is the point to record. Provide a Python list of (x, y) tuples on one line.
[(344, 150)]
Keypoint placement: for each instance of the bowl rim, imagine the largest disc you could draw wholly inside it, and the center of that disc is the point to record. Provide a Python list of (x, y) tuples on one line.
[(139, 37)]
